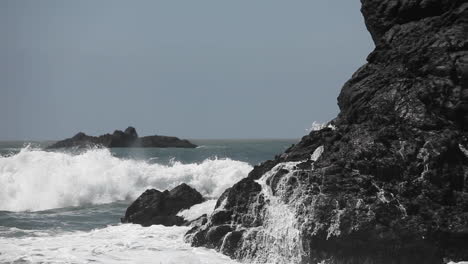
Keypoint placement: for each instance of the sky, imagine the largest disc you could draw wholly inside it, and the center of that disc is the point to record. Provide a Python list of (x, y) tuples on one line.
[(193, 69)]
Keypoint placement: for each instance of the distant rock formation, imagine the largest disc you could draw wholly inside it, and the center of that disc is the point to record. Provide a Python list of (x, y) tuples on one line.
[(123, 139), (388, 181), (160, 208)]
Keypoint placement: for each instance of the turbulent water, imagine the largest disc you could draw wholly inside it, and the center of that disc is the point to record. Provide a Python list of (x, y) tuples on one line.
[(65, 206)]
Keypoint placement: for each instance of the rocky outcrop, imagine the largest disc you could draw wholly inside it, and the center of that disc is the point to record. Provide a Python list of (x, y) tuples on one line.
[(123, 139), (160, 208), (386, 181)]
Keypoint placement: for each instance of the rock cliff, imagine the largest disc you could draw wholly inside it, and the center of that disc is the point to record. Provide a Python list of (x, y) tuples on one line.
[(122, 139), (384, 182)]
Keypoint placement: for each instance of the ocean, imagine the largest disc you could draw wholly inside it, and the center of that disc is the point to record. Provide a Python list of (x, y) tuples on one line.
[(64, 206)]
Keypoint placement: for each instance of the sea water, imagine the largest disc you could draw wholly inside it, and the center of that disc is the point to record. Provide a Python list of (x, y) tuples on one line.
[(64, 206)]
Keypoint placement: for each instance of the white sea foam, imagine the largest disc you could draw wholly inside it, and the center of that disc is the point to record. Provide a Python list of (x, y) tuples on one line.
[(125, 243), (316, 126), (198, 210), (317, 153), (39, 180)]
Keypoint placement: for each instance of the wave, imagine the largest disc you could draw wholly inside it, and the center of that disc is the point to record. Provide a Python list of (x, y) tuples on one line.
[(125, 243), (211, 147), (35, 180)]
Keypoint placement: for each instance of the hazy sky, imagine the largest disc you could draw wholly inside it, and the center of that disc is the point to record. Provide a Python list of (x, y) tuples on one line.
[(194, 69)]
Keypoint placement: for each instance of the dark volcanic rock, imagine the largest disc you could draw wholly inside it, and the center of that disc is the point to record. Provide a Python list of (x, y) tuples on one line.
[(160, 208), (123, 139), (387, 183)]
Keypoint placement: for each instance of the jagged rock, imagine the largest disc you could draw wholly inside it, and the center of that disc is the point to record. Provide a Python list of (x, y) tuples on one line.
[(131, 131), (387, 182), (160, 208), (123, 139)]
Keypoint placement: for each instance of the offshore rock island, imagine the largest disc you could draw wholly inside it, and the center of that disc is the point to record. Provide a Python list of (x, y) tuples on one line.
[(122, 139), (386, 181)]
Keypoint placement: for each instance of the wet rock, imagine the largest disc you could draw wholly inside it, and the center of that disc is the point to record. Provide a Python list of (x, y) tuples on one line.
[(216, 233), (203, 219), (160, 208), (391, 184), (122, 139), (231, 242)]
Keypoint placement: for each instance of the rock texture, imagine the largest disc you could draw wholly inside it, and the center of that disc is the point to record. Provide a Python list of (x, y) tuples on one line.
[(160, 208), (123, 139), (386, 181)]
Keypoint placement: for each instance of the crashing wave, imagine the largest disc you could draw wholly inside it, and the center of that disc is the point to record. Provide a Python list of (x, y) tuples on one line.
[(34, 180)]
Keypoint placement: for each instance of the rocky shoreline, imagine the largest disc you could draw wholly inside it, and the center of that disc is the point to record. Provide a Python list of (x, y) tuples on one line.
[(387, 181), (122, 139)]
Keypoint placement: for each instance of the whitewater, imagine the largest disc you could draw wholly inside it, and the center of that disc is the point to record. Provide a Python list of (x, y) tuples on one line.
[(38, 180), (65, 206)]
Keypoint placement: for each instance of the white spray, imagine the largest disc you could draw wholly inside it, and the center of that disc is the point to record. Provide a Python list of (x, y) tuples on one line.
[(39, 180)]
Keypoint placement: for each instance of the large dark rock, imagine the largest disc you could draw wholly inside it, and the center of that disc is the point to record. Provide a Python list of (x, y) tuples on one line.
[(123, 139), (160, 208), (387, 183)]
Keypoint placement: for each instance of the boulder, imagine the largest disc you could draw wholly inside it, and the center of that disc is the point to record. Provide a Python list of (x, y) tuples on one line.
[(160, 208)]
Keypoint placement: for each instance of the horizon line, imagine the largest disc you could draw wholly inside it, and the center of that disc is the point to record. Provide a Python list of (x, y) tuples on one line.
[(226, 138)]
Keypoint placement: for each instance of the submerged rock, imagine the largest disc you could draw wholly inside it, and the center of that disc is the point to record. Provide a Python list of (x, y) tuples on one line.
[(123, 139), (387, 183), (160, 208)]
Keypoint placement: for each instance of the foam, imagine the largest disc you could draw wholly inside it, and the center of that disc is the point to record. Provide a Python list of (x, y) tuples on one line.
[(317, 126), (38, 180), (317, 153), (198, 210), (126, 243)]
